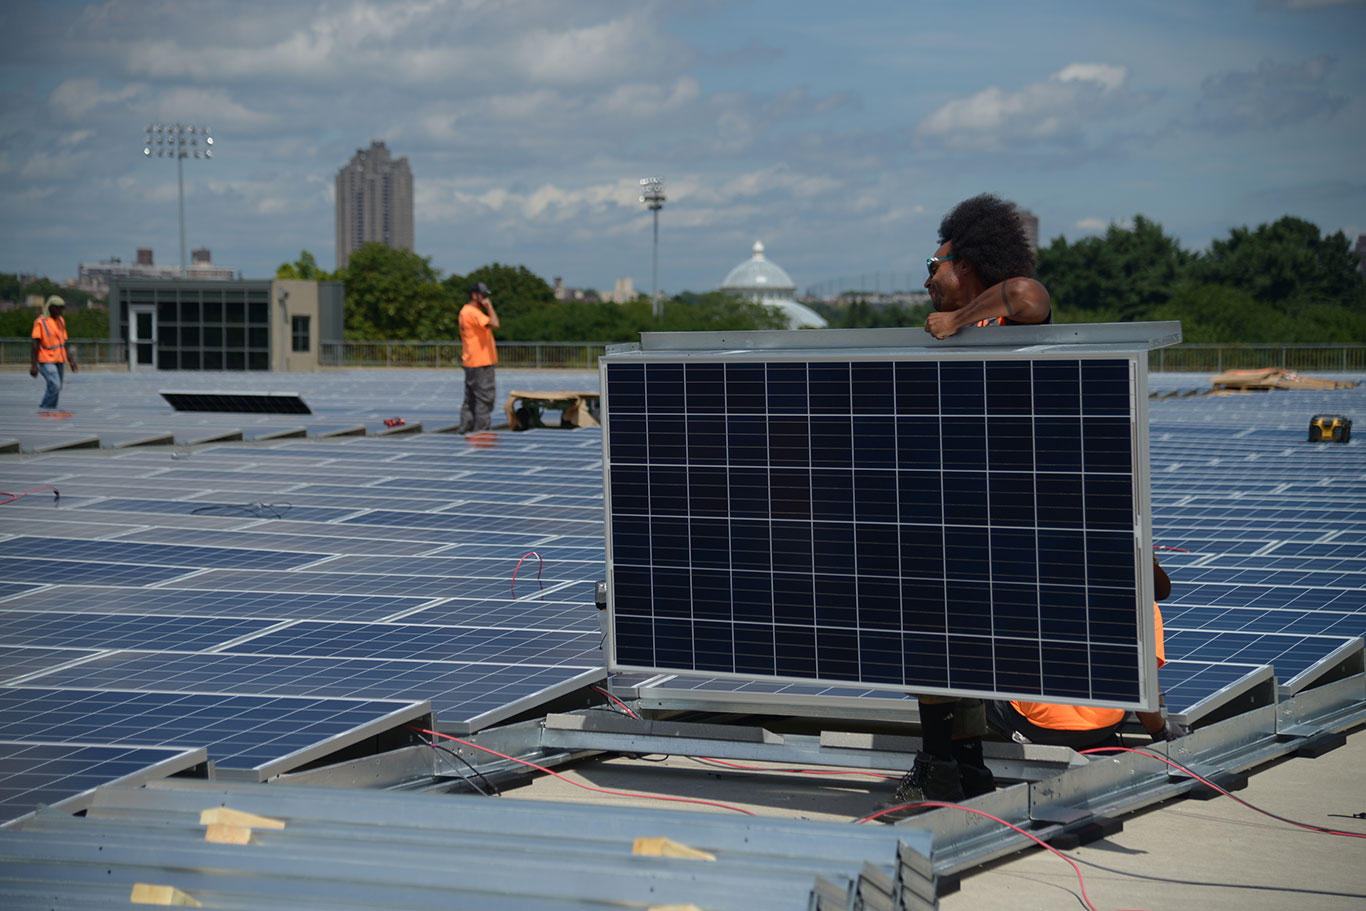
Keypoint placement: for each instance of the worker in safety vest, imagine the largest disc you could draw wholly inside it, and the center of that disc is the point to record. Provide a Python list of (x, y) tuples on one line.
[(50, 354), (1084, 727)]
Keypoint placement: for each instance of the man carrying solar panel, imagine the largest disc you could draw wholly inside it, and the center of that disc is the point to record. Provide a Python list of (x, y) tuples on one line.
[(982, 274)]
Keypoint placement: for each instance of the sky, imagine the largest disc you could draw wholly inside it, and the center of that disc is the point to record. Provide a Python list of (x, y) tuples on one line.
[(838, 134)]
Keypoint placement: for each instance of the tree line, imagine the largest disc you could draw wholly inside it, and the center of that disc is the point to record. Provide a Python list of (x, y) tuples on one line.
[(398, 295)]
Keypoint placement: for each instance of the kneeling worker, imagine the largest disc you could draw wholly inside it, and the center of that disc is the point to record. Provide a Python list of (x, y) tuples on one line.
[(1084, 727)]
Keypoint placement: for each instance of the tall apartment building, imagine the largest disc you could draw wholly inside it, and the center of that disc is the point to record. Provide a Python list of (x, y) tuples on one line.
[(374, 202)]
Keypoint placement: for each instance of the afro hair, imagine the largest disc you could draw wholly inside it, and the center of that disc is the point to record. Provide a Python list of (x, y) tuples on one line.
[(987, 234)]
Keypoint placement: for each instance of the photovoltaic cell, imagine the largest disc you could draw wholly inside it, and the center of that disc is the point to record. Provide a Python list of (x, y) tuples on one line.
[(954, 526)]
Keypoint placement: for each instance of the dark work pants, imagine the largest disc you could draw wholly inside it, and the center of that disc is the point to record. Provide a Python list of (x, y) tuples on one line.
[(1005, 718), (480, 383)]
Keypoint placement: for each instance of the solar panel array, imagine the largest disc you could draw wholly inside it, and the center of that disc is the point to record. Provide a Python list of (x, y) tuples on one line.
[(271, 604), (963, 524)]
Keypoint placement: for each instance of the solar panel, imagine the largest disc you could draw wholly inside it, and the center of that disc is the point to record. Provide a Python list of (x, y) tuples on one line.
[(61, 774), (239, 402), (951, 521)]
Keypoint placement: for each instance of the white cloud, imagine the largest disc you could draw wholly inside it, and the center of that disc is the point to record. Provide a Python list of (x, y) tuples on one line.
[(1272, 96), (1091, 224), (75, 98), (1050, 110)]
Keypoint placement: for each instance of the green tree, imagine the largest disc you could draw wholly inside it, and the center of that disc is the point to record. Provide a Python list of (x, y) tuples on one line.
[(90, 322), (1120, 276), (305, 267), (713, 310), (522, 298), (396, 294), (1287, 264), (859, 314)]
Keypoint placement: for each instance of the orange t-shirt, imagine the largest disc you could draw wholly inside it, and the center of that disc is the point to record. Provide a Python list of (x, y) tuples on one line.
[(476, 338), (1084, 717), (51, 335)]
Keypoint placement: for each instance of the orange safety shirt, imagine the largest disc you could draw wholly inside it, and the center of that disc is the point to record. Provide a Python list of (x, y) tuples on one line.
[(476, 338), (51, 335), (1084, 717)]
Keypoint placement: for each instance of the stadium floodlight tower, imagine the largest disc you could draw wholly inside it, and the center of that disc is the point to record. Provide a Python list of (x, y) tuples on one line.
[(652, 194), (178, 141)]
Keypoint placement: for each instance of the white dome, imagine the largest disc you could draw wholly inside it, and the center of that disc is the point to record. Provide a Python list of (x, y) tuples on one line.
[(766, 283), (757, 276)]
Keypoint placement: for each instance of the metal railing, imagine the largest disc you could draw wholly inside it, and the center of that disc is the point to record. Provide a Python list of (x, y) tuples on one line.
[(447, 354), (88, 350), (1303, 358), (1185, 358)]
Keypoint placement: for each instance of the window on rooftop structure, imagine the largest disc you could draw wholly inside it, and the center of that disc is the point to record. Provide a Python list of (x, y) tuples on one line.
[(299, 332)]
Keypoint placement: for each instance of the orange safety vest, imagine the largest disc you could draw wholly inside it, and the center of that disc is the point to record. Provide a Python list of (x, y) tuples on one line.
[(477, 348), (51, 336), (1084, 717)]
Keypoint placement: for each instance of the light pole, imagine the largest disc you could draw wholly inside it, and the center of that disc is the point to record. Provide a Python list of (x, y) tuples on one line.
[(652, 194), (178, 141)]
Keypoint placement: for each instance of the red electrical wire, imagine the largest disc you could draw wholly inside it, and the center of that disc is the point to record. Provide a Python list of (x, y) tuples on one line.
[(1177, 765), (15, 496), (953, 806), (624, 707), (539, 566), (586, 787)]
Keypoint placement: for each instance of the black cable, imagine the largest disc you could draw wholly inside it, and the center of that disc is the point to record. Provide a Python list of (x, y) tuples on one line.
[(470, 781), (1216, 885)]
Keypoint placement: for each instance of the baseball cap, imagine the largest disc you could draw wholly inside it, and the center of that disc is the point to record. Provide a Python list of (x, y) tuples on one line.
[(53, 301), (480, 288)]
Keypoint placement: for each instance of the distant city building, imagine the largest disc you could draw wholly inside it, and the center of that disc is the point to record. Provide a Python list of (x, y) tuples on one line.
[(1031, 227), (95, 277), (374, 202), (623, 292), (563, 293), (767, 283)]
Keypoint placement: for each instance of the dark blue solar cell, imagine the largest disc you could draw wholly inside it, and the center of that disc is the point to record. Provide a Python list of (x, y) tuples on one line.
[(922, 605), (664, 388), (1014, 554), (668, 490), (1106, 445), (714, 646), (706, 439), (789, 441), (626, 438), (876, 549), (918, 442), (794, 597), (1010, 498), (879, 603), (873, 389), (922, 552), (634, 640), (1010, 444), (874, 442), (917, 388), (795, 651), (626, 388), (630, 487), (669, 541), (711, 594), (963, 444), (704, 388), (829, 386), (962, 388), (880, 656), (1109, 502), (672, 592), (1057, 387), (925, 657), (833, 545), (965, 498), (1105, 387), (631, 539), (1009, 391), (837, 654), (709, 543), (1062, 495), (787, 389), (836, 601), (875, 496), (746, 440), (707, 492), (832, 441), (749, 545), (970, 662), (832, 494), (746, 389), (749, 493), (1017, 666), (666, 437), (790, 493), (754, 649)]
